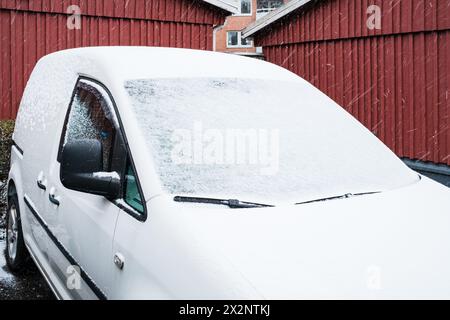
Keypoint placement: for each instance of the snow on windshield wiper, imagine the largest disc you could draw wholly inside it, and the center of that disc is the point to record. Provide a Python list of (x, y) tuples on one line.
[(232, 203), (345, 196)]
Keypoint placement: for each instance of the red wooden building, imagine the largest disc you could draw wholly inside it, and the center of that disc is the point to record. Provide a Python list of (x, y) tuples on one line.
[(30, 29), (394, 76)]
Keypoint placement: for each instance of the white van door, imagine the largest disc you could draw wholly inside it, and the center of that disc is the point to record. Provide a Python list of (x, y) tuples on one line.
[(83, 224)]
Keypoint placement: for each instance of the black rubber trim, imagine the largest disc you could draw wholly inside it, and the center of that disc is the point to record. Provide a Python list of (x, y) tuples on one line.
[(429, 167), (97, 291), (17, 147)]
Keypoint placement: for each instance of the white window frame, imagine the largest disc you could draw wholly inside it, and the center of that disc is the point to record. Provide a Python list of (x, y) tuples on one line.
[(239, 36), (245, 14)]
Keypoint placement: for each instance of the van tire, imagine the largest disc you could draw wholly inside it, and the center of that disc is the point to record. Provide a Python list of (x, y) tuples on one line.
[(17, 257)]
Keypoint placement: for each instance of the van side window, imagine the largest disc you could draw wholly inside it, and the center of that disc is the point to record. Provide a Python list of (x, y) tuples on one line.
[(91, 117), (132, 195)]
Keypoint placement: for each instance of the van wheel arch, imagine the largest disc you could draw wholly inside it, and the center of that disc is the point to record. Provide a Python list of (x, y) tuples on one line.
[(21, 259)]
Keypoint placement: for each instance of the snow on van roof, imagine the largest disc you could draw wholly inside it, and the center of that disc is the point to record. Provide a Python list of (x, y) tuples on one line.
[(126, 63), (51, 83)]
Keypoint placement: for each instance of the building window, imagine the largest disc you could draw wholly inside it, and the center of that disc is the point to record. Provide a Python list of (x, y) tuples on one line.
[(235, 40), (269, 4), (245, 7), (266, 6)]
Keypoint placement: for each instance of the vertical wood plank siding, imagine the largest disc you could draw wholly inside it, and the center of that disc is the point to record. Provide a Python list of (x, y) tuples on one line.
[(30, 29), (395, 80)]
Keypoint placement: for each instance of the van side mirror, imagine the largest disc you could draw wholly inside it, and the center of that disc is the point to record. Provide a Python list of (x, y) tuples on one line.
[(81, 166)]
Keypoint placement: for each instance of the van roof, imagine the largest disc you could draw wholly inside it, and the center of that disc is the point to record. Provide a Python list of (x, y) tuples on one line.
[(127, 63)]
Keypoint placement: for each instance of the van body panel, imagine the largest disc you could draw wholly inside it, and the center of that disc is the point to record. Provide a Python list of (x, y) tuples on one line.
[(321, 249)]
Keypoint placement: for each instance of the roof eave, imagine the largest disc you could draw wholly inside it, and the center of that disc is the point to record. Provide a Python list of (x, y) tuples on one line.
[(223, 4), (273, 16)]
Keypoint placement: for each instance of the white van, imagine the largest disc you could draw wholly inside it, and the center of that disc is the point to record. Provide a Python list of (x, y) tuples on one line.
[(153, 173)]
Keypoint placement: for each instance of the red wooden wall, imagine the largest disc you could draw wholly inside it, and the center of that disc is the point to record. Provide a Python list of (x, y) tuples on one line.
[(30, 29), (396, 80)]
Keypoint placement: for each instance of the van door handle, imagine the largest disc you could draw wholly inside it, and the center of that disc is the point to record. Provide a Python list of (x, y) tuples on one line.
[(40, 181), (41, 184), (52, 197)]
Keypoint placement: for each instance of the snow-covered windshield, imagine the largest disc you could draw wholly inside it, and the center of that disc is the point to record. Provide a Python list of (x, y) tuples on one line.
[(263, 140)]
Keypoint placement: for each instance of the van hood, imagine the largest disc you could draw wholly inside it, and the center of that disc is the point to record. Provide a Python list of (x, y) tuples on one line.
[(391, 245)]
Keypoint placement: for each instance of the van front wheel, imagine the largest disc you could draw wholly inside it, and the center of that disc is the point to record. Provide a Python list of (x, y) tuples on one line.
[(16, 252)]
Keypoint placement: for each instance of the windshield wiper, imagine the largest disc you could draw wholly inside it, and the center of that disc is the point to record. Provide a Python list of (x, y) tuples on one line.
[(232, 203), (345, 196)]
